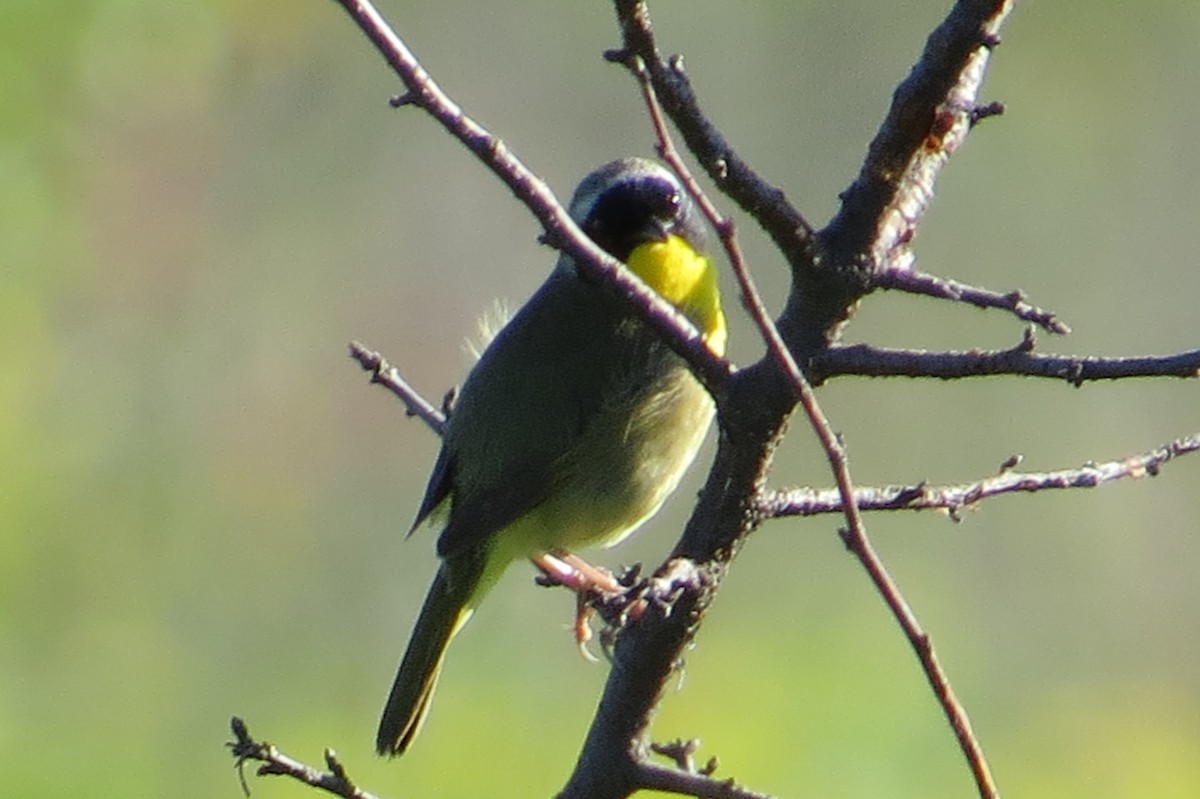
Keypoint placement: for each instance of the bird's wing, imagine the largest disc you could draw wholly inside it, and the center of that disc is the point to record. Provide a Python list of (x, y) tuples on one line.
[(441, 481), (522, 410)]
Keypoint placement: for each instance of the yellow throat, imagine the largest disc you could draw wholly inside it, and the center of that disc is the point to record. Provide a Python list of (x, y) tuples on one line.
[(687, 280)]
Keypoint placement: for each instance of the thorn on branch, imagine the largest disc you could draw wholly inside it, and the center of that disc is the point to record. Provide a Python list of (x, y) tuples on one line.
[(244, 748), (985, 111), (1074, 374), (448, 400), (1010, 463), (847, 539), (683, 753), (339, 771), (912, 493)]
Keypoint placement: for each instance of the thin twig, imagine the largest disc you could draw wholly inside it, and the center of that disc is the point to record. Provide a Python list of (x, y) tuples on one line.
[(275, 762), (766, 203), (855, 537), (857, 542), (952, 499), (877, 220), (388, 376), (914, 282), (560, 230), (725, 227)]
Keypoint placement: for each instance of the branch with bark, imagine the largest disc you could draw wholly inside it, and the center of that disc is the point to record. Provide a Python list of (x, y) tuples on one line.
[(866, 246)]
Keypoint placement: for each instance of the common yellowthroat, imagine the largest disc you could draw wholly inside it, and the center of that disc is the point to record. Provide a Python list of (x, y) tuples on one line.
[(574, 425)]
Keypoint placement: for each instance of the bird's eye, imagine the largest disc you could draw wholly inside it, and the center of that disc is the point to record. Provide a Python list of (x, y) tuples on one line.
[(671, 203)]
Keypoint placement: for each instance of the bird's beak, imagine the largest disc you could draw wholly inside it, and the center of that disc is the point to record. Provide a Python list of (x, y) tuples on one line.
[(656, 230)]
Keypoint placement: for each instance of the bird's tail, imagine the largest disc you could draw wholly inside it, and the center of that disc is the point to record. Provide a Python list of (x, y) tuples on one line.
[(447, 608)]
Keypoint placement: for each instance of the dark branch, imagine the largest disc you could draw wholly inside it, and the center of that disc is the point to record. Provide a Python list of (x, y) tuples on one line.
[(932, 110), (868, 361), (931, 113), (734, 177), (615, 754), (930, 116), (915, 282)]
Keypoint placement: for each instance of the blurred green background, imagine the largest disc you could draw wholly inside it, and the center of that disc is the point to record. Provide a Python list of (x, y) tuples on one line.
[(203, 501)]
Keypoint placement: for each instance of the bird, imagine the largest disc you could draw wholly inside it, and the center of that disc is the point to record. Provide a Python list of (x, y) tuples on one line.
[(574, 425)]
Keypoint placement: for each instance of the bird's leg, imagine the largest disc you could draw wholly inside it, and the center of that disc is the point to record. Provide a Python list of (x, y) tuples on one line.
[(583, 626), (586, 582), (576, 574)]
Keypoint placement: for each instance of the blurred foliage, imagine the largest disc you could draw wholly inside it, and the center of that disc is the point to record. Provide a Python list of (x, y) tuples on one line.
[(203, 501)]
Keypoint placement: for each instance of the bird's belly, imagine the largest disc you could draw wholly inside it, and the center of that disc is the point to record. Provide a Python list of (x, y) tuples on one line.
[(630, 460)]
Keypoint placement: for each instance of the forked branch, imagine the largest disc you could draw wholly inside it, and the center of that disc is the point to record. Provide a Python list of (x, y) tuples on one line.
[(865, 247), (274, 762)]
